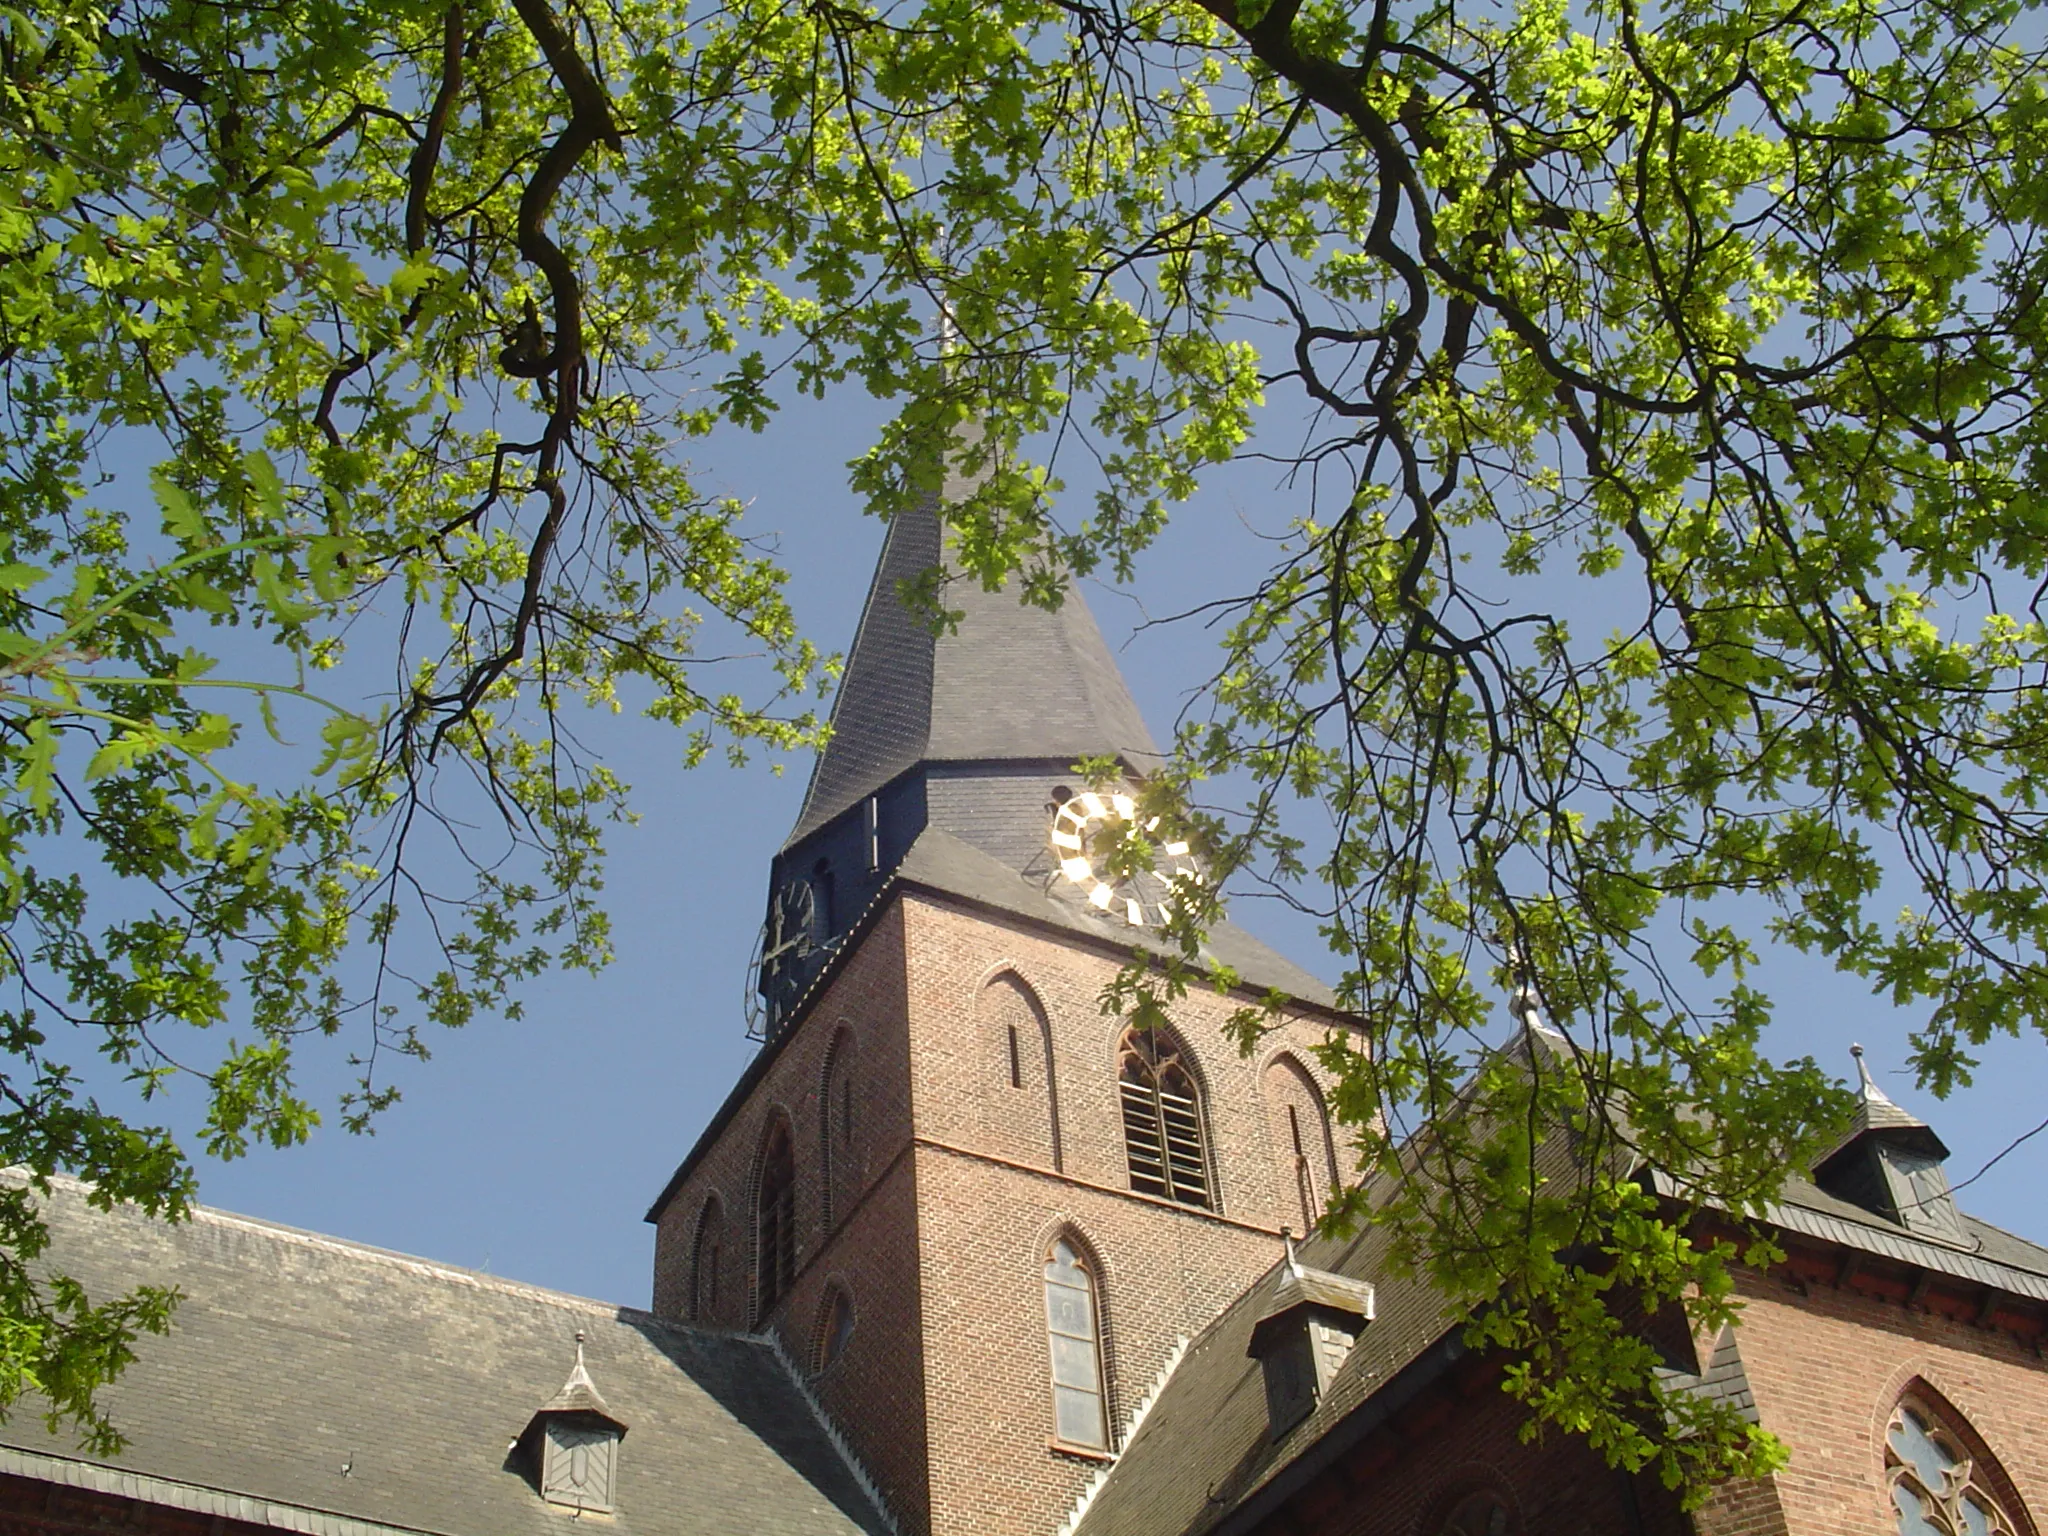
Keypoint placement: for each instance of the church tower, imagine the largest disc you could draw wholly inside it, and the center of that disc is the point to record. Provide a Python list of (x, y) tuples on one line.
[(981, 1216)]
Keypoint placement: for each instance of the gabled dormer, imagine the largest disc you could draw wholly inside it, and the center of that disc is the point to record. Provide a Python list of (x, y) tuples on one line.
[(1890, 1163), (1303, 1335), (571, 1444)]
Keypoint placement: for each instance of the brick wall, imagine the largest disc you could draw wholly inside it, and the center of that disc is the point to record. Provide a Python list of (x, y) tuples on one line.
[(1829, 1348), (992, 1197), (29, 1507), (874, 1392), (970, 1160), (1462, 1438)]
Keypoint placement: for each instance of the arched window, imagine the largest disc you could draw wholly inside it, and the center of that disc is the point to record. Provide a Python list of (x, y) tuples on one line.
[(1938, 1487), (1478, 1514), (774, 1220), (1300, 1129), (1162, 1118), (1073, 1322), (835, 1128), (1018, 1105), (835, 1327), (707, 1258)]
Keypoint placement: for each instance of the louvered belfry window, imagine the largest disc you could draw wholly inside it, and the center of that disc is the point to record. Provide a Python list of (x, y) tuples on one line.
[(775, 1217), (1162, 1119)]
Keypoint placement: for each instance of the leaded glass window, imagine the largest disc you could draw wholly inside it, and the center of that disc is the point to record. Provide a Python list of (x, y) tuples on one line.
[(1162, 1119), (1937, 1487), (1073, 1329)]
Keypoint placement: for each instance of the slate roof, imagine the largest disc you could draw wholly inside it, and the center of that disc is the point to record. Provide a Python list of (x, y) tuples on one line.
[(324, 1387), (1877, 1116), (1723, 1379), (1203, 1454), (1011, 683)]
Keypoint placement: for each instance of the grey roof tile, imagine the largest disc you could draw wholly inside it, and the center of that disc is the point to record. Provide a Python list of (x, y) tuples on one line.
[(1010, 683), (303, 1373)]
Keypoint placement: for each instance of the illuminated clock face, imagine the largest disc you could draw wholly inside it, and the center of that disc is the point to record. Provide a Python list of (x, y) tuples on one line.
[(1082, 829)]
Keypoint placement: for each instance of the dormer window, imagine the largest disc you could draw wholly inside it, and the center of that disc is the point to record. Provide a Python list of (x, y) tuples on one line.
[(1920, 1194), (1311, 1321), (571, 1445), (1890, 1163), (577, 1465)]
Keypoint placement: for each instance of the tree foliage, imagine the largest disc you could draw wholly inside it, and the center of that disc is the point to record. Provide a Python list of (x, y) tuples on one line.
[(1653, 387)]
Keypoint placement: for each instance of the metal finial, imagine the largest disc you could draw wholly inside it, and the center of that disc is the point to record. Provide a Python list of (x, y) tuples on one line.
[(1862, 1067), (1287, 1238)]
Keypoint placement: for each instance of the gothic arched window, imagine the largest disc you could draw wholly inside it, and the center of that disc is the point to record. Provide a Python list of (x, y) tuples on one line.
[(1300, 1128), (1018, 1105), (835, 1128), (1938, 1487), (774, 1220), (1162, 1118), (707, 1255), (1478, 1514), (835, 1327), (1073, 1322)]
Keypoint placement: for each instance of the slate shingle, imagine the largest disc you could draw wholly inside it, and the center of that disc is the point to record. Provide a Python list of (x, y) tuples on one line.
[(294, 1356)]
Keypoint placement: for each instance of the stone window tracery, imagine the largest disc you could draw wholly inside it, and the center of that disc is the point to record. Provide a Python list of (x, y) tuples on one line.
[(1162, 1110), (1938, 1488)]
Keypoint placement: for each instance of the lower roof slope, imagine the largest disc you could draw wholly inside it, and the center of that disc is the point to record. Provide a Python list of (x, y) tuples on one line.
[(332, 1387)]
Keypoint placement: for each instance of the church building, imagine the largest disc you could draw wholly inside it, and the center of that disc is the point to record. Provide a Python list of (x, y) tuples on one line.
[(962, 1255)]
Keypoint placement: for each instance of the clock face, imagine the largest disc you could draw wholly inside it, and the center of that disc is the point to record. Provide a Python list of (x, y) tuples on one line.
[(1082, 829), (787, 943)]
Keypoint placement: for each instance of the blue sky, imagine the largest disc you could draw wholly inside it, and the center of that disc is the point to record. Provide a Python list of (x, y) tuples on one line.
[(532, 1149)]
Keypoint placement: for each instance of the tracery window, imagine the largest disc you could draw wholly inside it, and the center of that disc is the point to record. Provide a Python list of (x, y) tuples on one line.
[(1162, 1118), (1073, 1329), (1938, 1488), (775, 1220)]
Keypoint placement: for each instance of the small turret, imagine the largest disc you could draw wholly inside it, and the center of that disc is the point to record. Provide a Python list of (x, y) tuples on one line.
[(1890, 1163)]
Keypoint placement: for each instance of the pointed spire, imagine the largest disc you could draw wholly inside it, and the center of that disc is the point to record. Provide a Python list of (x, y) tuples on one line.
[(1889, 1162), (579, 1393), (1876, 1113), (1011, 684)]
